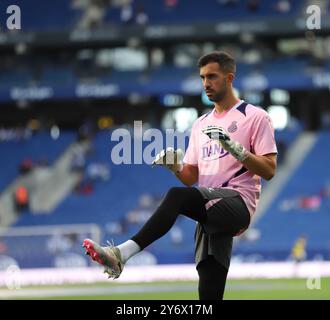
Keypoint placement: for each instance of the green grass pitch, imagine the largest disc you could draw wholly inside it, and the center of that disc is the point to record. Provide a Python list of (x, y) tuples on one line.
[(258, 289)]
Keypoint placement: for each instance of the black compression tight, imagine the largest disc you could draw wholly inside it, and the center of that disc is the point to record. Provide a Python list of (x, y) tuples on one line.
[(178, 200), (212, 279)]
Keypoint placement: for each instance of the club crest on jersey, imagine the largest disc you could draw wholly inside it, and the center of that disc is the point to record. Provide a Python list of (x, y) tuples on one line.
[(233, 127), (211, 150)]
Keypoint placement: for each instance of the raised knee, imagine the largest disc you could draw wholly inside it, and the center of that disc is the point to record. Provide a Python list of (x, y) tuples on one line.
[(176, 192)]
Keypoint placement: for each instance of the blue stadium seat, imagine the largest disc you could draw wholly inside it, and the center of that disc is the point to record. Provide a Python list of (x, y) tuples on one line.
[(280, 228), (41, 146)]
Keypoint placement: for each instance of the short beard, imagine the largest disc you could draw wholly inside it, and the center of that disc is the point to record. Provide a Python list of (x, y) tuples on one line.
[(219, 96)]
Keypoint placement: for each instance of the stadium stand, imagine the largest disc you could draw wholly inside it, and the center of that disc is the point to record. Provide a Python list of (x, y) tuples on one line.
[(39, 148), (100, 206), (66, 14), (118, 198), (301, 208)]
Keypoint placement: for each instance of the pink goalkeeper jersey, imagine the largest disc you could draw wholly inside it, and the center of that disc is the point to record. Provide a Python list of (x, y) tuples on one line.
[(247, 124)]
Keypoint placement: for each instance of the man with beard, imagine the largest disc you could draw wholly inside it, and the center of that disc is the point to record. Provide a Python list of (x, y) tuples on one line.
[(230, 149)]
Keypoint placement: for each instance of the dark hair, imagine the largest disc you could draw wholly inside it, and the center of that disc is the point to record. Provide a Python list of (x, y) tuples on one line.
[(225, 61)]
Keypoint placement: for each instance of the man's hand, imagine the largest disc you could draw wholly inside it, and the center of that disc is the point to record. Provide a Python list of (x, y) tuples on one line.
[(216, 133), (221, 135), (171, 159)]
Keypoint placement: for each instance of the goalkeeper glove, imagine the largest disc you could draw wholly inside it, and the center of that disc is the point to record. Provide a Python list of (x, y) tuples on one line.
[(233, 147), (171, 159)]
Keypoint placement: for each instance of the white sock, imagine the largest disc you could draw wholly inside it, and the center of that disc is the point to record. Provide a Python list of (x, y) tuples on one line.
[(128, 249)]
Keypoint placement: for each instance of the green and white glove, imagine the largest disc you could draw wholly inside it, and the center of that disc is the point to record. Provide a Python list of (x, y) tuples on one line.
[(233, 147), (171, 159)]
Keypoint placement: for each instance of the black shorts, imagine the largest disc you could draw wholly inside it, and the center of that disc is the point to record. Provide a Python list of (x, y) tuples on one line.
[(225, 219)]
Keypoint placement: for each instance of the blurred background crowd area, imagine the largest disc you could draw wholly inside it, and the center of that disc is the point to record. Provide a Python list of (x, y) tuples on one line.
[(78, 70)]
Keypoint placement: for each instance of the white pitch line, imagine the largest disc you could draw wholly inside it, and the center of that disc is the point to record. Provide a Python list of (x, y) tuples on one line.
[(94, 291)]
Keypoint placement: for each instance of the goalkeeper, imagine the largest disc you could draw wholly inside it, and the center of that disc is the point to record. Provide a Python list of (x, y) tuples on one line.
[(230, 149)]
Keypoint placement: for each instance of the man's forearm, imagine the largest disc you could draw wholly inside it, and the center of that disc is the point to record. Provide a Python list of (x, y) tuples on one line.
[(263, 166)]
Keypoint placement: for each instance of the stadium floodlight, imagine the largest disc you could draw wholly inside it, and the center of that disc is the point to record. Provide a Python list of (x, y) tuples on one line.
[(279, 96), (172, 100), (55, 132), (254, 97), (280, 116), (181, 118), (184, 118)]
